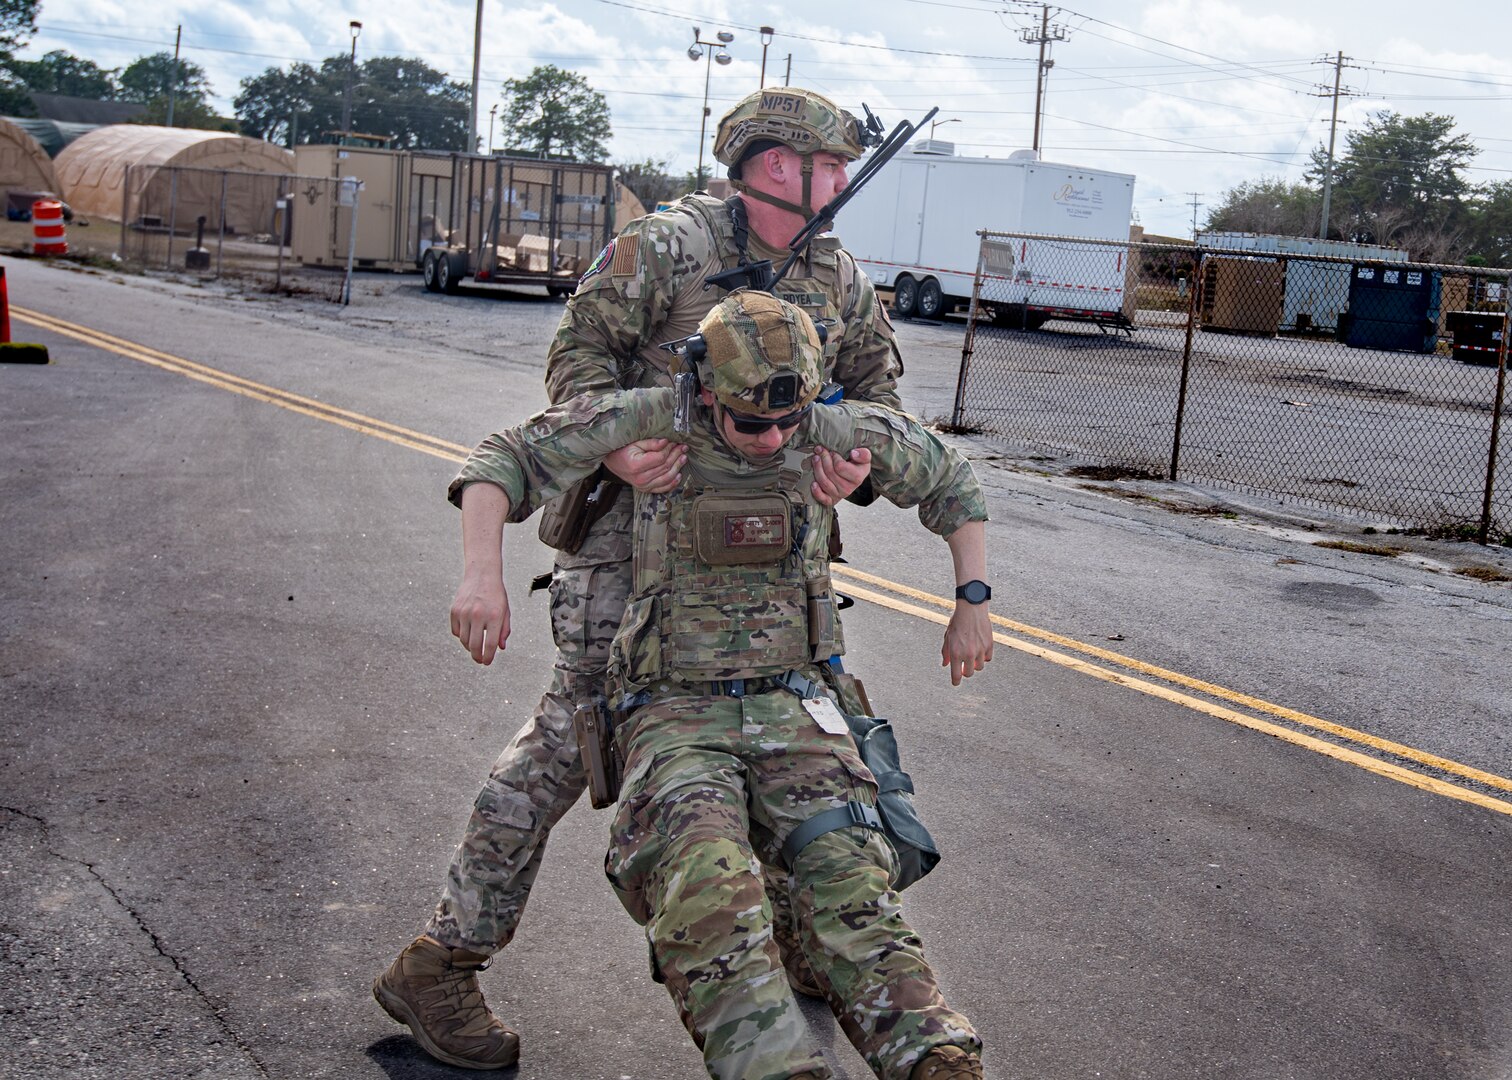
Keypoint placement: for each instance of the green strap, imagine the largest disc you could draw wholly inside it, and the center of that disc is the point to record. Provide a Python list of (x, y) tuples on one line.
[(852, 813)]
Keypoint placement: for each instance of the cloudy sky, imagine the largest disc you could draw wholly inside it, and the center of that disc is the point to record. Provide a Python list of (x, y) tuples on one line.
[(1191, 96)]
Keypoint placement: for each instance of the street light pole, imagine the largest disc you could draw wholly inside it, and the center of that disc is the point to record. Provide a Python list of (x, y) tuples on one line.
[(696, 53), (766, 39), (492, 112), (936, 123), (346, 102)]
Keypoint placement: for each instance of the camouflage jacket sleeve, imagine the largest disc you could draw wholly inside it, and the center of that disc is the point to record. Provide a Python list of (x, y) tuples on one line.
[(621, 304), (910, 465), (539, 459), (868, 364)]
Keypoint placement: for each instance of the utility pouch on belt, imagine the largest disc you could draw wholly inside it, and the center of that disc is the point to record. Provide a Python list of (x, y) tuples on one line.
[(595, 736), (565, 521), (821, 618), (895, 813), (732, 529)]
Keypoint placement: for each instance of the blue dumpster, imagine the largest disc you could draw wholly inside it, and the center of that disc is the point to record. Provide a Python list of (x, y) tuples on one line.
[(1391, 307)]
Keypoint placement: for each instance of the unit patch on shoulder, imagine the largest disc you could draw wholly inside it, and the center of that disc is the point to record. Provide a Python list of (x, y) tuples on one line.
[(599, 262), (626, 256)]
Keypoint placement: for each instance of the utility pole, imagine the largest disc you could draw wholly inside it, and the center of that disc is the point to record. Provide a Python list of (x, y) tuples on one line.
[(1333, 127), (173, 75), (472, 124), (1195, 204), (1043, 37)]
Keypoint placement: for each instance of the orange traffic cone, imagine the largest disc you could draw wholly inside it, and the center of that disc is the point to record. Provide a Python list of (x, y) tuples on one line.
[(15, 352), (49, 235)]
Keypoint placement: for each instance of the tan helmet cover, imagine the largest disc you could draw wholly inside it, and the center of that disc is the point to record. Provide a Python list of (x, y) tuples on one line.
[(807, 122), (753, 337)]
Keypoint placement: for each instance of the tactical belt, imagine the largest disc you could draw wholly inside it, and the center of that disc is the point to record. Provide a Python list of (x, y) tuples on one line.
[(738, 688), (852, 813)]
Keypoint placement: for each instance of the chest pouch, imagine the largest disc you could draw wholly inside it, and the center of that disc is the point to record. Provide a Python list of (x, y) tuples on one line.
[(731, 530)]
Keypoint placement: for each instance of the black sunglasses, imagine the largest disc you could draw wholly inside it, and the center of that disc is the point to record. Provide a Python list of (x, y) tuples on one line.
[(757, 425)]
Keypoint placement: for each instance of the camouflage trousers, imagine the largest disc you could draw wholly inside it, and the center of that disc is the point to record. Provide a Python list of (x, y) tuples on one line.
[(538, 776), (713, 786)]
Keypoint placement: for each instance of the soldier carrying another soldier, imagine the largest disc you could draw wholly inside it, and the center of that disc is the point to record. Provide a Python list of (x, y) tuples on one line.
[(787, 149), (724, 676)]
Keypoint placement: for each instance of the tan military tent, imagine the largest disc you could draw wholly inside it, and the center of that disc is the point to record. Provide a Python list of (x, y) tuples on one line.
[(152, 174), (24, 165), (626, 207)]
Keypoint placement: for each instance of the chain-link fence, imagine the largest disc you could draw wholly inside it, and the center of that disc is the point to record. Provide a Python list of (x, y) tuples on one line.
[(220, 222), (1370, 384)]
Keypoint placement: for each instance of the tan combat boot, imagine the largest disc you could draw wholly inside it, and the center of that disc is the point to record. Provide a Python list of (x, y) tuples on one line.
[(948, 1063), (434, 991)]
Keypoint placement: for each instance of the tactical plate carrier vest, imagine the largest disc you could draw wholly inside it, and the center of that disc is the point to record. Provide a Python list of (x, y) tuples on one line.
[(731, 576), (827, 293)]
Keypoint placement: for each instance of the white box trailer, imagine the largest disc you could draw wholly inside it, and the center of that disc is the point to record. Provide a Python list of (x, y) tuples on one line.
[(914, 228)]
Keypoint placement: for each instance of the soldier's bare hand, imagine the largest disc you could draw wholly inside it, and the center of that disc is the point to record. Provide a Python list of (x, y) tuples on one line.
[(480, 616), (651, 465), (836, 477), (968, 641)]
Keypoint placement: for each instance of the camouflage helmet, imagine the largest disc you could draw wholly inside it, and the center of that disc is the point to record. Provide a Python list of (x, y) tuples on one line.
[(762, 354), (801, 119)]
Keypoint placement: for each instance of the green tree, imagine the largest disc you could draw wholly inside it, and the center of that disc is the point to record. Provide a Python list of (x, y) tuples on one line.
[(288, 107), (651, 183), (412, 102), (555, 112), (401, 97), (18, 21), (147, 80), (60, 72), (1399, 181), (1268, 205), (1490, 232)]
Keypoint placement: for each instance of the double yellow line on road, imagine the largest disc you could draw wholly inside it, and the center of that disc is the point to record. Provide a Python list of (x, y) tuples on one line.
[(907, 600), (272, 395)]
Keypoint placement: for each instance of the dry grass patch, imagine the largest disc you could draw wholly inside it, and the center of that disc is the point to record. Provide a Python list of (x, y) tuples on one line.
[(1359, 549)]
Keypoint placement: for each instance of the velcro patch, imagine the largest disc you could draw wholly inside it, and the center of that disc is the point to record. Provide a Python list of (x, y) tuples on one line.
[(626, 256), (755, 530), (599, 262), (783, 104)]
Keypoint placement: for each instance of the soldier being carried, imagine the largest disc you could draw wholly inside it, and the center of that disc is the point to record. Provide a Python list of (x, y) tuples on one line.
[(724, 672)]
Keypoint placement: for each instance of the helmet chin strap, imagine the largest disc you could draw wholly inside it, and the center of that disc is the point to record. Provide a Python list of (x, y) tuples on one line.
[(806, 211)]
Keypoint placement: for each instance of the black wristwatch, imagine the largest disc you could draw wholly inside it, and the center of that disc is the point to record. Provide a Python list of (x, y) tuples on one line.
[(974, 592)]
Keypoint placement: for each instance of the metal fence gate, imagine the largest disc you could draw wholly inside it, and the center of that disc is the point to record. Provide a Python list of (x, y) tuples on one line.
[(218, 222), (1372, 385)]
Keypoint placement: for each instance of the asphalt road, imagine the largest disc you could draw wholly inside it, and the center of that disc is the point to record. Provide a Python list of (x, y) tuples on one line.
[(238, 744)]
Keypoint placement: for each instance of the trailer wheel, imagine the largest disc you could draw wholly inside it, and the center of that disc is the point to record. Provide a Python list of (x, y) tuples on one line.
[(905, 296), (428, 272), (931, 299), (559, 291), (449, 272)]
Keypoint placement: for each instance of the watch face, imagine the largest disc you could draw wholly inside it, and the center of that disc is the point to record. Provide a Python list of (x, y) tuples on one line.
[(974, 592)]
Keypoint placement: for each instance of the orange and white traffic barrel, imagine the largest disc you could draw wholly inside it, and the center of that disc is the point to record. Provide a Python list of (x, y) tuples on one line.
[(49, 237)]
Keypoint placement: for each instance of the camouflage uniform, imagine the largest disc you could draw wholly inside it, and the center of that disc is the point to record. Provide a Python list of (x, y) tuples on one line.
[(646, 288), (721, 762)]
